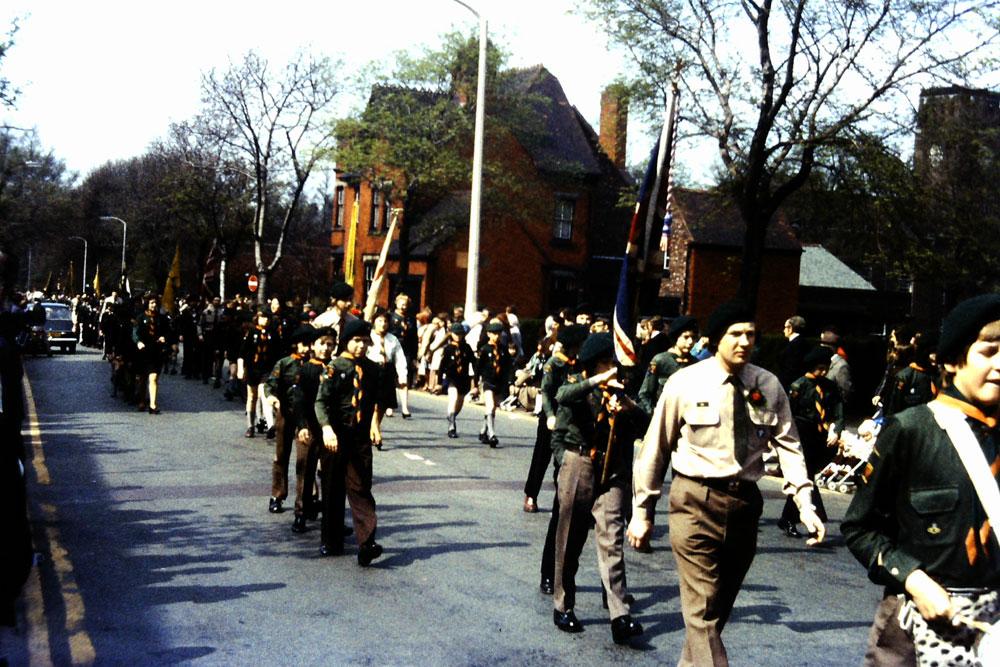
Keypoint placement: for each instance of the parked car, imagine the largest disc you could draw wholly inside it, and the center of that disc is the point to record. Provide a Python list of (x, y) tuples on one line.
[(59, 326)]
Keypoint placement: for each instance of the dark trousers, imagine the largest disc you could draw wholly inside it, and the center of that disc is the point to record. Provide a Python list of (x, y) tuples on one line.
[(540, 458), (284, 441), (817, 455), (192, 357), (713, 535), (348, 473), (306, 460), (888, 644)]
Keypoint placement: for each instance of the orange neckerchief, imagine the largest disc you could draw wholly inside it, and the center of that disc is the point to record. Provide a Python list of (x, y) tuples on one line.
[(968, 409)]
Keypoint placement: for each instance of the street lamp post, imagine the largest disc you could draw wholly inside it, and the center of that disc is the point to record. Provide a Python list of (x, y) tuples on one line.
[(83, 285), (124, 232), (472, 269)]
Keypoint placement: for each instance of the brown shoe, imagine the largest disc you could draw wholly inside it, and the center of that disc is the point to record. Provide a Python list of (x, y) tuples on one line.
[(530, 505)]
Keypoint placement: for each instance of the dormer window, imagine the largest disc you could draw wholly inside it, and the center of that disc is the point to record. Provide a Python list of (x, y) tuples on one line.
[(562, 229)]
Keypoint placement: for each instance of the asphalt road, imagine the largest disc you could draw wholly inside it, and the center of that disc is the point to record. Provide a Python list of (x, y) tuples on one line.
[(156, 548)]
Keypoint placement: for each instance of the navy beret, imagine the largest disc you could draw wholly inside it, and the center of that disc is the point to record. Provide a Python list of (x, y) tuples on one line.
[(305, 333), (494, 327), (962, 325), (354, 328), (572, 336), (818, 356), (725, 316), (341, 291), (457, 328), (679, 325)]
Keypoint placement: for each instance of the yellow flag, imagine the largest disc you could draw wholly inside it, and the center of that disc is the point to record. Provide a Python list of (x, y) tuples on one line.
[(173, 282), (97, 281), (352, 242)]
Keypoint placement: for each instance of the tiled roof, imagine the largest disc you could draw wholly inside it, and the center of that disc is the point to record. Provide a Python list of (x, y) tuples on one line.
[(714, 219), (820, 268)]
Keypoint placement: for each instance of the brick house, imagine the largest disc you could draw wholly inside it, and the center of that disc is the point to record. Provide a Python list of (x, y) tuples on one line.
[(705, 252), (537, 240)]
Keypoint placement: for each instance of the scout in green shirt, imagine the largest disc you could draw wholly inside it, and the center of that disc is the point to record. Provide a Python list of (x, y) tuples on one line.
[(681, 338)]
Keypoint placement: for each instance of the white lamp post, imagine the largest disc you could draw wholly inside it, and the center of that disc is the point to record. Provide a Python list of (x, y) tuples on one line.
[(83, 285), (124, 232)]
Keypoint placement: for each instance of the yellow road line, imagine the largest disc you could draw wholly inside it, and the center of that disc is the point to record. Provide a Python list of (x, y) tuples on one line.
[(39, 645)]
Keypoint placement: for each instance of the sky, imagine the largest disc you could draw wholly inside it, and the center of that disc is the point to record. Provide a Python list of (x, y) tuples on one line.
[(101, 79)]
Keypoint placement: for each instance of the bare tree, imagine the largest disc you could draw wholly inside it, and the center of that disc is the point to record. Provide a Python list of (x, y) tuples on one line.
[(271, 124), (772, 82)]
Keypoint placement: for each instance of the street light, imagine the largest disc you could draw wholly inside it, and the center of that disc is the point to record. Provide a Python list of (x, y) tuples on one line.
[(472, 269), (83, 285), (124, 231)]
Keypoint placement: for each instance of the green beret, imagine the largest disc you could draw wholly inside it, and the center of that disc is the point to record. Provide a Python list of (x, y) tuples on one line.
[(679, 325), (596, 347), (572, 336), (725, 316), (962, 325), (818, 356), (457, 328), (354, 329), (494, 327), (326, 331)]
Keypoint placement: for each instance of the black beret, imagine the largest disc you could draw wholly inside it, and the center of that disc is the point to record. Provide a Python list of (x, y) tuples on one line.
[(597, 346), (725, 316), (572, 336), (457, 328), (679, 325), (342, 291), (326, 331), (304, 334), (494, 327), (962, 325), (818, 356), (352, 329)]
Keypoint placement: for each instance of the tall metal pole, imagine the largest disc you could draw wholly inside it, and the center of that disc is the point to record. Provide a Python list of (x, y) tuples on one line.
[(472, 266), (124, 232), (83, 285)]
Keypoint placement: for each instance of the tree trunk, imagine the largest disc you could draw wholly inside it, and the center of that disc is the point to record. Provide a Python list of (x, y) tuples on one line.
[(261, 285), (752, 267)]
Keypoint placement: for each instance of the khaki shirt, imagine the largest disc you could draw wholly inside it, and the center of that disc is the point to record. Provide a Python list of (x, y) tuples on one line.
[(692, 430)]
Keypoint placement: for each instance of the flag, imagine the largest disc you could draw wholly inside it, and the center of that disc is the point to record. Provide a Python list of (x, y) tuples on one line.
[(622, 320), (173, 282), (352, 241), (668, 216), (211, 269), (371, 302), (97, 280)]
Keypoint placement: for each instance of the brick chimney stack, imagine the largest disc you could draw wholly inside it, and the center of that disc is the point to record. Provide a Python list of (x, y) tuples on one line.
[(614, 123)]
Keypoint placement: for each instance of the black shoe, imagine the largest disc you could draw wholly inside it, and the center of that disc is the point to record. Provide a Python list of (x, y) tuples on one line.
[(493, 441), (483, 438), (271, 433), (249, 433), (274, 506), (261, 426), (624, 628), (299, 524), (545, 586), (566, 621), (406, 415), (368, 552), (452, 432), (216, 384), (347, 531), (325, 550), (313, 512), (154, 411), (788, 528)]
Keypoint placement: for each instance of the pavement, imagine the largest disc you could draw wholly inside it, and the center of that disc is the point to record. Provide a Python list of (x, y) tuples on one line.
[(155, 547)]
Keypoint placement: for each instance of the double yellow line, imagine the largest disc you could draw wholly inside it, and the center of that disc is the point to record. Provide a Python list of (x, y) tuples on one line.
[(39, 645)]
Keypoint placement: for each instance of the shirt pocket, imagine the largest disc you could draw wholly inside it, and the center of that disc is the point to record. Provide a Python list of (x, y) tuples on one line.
[(702, 420), (936, 522)]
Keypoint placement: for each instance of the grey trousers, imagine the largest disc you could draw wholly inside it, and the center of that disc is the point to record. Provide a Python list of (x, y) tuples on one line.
[(581, 503), (713, 535)]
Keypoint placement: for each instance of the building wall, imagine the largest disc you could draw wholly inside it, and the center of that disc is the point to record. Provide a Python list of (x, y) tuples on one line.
[(714, 278)]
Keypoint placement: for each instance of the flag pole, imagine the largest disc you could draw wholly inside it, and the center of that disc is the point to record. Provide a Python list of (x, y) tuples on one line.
[(371, 303)]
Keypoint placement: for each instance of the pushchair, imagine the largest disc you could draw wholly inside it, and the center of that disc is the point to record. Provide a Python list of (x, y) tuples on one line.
[(839, 475)]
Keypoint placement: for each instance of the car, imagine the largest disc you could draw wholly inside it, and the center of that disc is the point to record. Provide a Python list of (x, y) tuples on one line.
[(59, 326)]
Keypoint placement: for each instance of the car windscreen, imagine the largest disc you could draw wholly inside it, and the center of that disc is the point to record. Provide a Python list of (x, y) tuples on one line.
[(53, 313)]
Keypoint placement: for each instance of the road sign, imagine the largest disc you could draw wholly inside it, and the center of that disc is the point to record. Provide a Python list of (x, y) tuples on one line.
[(252, 283)]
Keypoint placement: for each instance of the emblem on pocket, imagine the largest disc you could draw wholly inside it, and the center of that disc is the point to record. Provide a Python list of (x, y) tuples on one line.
[(934, 529)]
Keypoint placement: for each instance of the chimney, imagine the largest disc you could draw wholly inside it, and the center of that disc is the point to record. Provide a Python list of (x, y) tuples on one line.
[(614, 123)]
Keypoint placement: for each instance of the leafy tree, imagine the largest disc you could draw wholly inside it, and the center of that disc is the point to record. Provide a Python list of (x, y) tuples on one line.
[(270, 126), (771, 84), (8, 93)]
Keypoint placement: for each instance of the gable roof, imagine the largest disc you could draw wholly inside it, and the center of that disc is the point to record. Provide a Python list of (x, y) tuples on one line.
[(821, 268), (713, 219)]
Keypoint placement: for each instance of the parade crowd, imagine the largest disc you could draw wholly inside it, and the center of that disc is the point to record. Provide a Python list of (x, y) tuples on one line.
[(319, 379)]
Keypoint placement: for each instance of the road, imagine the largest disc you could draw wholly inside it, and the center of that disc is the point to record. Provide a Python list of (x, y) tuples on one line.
[(156, 548)]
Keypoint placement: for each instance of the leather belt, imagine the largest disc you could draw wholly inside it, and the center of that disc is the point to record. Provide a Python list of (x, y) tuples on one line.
[(732, 485)]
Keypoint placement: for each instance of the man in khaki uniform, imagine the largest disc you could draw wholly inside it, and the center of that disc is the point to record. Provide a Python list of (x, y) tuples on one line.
[(713, 423)]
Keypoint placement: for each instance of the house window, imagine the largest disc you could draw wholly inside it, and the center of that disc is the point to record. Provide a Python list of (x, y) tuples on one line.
[(338, 222), (373, 213), (564, 289), (370, 264), (563, 227), (386, 213)]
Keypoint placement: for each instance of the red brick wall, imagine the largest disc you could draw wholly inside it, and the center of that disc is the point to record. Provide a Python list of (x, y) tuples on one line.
[(713, 278)]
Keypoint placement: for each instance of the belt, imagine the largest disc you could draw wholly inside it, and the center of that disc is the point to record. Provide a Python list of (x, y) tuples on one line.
[(733, 485)]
